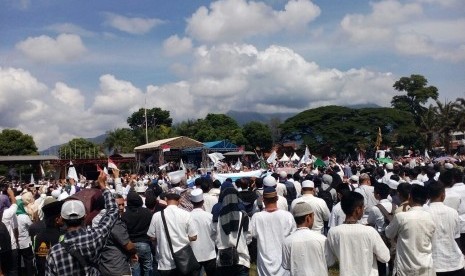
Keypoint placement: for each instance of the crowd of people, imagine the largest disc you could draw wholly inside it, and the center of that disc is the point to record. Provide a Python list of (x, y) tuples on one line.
[(369, 218)]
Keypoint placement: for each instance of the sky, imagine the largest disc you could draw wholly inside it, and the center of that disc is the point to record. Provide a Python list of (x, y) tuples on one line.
[(73, 69)]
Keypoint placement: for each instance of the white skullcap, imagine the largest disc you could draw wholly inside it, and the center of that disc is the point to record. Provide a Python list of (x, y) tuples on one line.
[(197, 195), (308, 184), (393, 184), (56, 193), (389, 166), (269, 181), (283, 174)]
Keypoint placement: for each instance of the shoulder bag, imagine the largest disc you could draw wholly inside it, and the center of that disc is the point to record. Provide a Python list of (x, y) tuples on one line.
[(229, 256), (185, 260)]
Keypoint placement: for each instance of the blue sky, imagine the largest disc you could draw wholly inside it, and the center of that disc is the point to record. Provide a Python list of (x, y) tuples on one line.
[(79, 68)]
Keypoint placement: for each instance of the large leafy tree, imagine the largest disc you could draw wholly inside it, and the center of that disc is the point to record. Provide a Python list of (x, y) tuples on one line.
[(79, 148), (418, 94), (121, 140), (14, 142), (429, 125), (340, 130), (155, 117), (158, 124), (258, 135)]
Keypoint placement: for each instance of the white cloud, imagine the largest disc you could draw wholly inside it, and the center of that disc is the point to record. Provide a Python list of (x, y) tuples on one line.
[(174, 45), (71, 97), (66, 47), (116, 96), (232, 20), (132, 25), (408, 30), (378, 25), (69, 28)]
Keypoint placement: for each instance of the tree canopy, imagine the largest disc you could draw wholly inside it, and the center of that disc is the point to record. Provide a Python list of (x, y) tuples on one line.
[(341, 130), (14, 142), (80, 148), (258, 135), (155, 117), (418, 94), (122, 140)]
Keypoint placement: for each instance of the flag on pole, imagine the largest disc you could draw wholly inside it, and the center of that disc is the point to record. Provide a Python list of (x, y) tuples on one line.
[(98, 168), (72, 172), (162, 167), (426, 154), (42, 172), (306, 157), (181, 166), (238, 165), (272, 158), (105, 170), (32, 179), (112, 164), (165, 148)]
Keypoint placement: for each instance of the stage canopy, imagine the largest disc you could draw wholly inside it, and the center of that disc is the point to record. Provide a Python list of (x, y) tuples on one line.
[(175, 143)]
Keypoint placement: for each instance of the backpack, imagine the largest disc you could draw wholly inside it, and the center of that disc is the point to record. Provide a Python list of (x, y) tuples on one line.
[(5, 239), (291, 192), (327, 197)]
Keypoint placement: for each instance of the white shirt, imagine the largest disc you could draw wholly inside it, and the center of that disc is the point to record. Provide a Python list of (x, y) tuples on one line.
[(224, 241), (369, 200), (357, 247), (180, 227), (337, 216), (281, 189), (298, 187), (270, 229), (208, 202), (282, 203), (23, 231), (376, 218), (414, 230), (306, 253), (452, 198), (319, 207), (204, 246), (10, 220), (460, 189), (446, 252)]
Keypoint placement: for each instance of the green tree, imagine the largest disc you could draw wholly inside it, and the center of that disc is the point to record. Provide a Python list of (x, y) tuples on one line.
[(121, 140), (155, 117), (340, 130), (258, 135), (429, 125), (447, 121), (418, 93), (79, 148), (14, 142)]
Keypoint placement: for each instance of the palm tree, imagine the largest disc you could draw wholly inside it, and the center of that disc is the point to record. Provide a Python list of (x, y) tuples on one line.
[(121, 140), (447, 121), (461, 113), (429, 125)]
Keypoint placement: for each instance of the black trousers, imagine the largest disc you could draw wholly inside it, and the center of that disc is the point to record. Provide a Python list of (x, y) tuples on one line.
[(209, 267), (460, 272)]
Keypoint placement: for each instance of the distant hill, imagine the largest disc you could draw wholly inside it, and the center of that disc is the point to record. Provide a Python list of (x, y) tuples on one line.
[(242, 117), (53, 150)]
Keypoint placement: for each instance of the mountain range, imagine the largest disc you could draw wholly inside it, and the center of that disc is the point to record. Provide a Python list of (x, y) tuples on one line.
[(241, 118)]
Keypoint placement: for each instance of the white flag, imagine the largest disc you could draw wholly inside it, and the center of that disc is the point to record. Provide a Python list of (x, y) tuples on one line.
[(426, 154), (306, 157), (238, 165), (272, 158), (42, 171), (32, 179), (181, 166), (72, 172)]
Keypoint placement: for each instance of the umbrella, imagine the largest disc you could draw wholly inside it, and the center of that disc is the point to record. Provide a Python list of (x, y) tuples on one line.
[(385, 160), (445, 158)]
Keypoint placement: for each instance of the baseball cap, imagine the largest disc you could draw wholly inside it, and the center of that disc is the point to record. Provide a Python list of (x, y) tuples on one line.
[(73, 209)]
